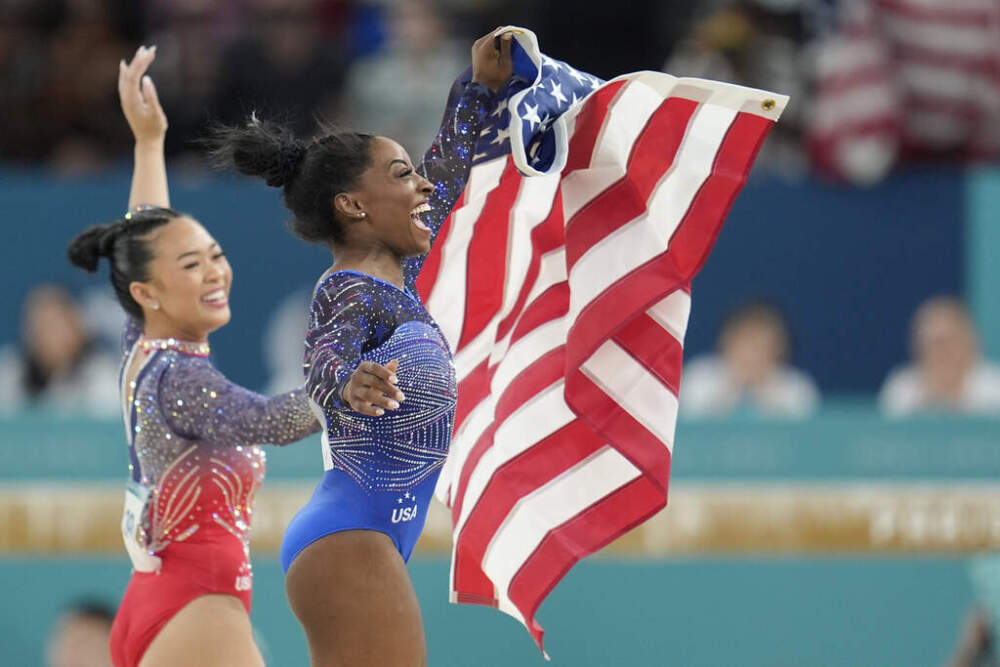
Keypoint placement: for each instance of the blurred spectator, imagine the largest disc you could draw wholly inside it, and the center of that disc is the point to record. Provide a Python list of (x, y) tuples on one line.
[(400, 92), (905, 80), (58, 82), (191, 36), (283, 336), (220, 60), (79, 94), (23, 30), (103, 316), (749, 374), (58, 365), (289, 66), (975, 645), (81, 636), (757, 43), (947, 373), (603, 38)]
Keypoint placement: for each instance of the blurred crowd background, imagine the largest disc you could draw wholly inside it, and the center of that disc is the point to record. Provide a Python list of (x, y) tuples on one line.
[(873, 83), (857, 271), (878, 87)]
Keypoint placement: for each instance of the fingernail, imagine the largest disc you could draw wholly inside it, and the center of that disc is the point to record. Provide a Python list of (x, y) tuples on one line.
[(393, 404), (393, 379), (379, 412), (146, 80), (401, 397), (153, 48)]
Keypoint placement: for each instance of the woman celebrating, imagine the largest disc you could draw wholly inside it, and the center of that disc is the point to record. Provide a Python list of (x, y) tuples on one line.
[(192, 435), (376, 364)]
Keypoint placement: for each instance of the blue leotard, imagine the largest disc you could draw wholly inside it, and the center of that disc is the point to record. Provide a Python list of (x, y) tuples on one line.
[(381, 471)]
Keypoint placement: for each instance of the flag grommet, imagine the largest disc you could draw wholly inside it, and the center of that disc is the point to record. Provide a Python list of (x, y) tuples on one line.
[(767, 104)]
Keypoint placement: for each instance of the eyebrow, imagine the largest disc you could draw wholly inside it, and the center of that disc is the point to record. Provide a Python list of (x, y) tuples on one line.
[(195, 252)]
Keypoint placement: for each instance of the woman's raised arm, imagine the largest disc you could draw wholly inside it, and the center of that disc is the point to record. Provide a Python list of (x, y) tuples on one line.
[(145, 116), (447, 162)]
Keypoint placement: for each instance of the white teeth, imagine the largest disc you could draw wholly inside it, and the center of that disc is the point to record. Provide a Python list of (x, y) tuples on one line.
[(423, 208), (217, 295)]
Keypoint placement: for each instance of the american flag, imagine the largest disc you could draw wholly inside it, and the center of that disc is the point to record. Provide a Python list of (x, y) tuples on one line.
[(906, 78), (562, 281)]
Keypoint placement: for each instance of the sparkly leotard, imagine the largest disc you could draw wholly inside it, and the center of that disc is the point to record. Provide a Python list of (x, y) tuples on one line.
[(194, 466), (381, 471)]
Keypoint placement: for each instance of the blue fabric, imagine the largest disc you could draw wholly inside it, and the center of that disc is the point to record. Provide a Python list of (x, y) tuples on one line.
[(340, 504), (382, 470), (530, 110)]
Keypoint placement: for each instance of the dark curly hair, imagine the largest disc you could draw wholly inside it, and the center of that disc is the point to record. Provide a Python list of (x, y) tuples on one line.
[(125, 243), (310, 173)]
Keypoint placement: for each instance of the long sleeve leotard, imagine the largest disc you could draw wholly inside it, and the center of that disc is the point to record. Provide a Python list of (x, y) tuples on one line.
[(193, 440), (353, 316), (381, 470)]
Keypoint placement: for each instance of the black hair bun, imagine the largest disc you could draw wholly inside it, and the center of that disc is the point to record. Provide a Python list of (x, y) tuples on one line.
[(259, 148), (86, 250)]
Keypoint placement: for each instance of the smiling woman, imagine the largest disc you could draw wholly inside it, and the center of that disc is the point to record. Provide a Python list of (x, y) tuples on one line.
[(377, 366), (188, 285), (192, 436)]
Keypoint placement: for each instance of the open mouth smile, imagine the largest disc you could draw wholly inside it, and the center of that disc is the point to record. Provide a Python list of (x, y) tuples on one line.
[(216, 298), (415, 216)]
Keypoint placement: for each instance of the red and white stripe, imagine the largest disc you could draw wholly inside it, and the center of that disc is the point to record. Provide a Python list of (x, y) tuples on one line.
[(906, 76), (565, 298)]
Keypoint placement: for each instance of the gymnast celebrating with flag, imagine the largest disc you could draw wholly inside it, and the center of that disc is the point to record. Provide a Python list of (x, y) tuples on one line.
[(377, 367), (561, 282)]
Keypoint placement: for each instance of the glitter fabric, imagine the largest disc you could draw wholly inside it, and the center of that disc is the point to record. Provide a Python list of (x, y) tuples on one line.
[(193, 439), (148, 345), (381, 471), (361, 318), (447, 162), (355, 317)]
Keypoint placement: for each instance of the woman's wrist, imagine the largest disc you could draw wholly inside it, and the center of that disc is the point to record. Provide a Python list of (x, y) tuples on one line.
[(488, 86), (149, 144), (478, 90)]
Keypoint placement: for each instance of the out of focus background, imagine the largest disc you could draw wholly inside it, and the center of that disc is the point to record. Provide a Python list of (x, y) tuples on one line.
[(834, 496)]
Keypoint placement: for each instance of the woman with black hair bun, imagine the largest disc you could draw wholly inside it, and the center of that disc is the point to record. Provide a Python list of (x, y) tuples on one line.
[(377, 366), (192, 435)]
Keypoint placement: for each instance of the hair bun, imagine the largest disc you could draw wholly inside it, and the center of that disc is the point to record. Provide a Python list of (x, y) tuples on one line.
[(286, 165), (86, 250), (258, 148)]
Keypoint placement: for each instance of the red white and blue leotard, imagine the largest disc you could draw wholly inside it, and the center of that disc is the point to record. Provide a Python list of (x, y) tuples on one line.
[(195, 465)]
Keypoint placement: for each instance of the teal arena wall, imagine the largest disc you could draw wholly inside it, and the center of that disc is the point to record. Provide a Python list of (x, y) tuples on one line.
[(690, 613)]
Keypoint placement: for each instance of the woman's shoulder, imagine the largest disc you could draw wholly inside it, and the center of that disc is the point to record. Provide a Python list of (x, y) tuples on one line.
[(345, 287), (334, 283), (179, 368)]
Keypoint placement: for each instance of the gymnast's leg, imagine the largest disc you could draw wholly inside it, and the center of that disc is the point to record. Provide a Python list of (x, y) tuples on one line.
[(211, 630), (352, 594)]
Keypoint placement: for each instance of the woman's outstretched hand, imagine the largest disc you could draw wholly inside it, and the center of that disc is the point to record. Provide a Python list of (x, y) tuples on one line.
[(372, 388), (137, 93), (492, 65)]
